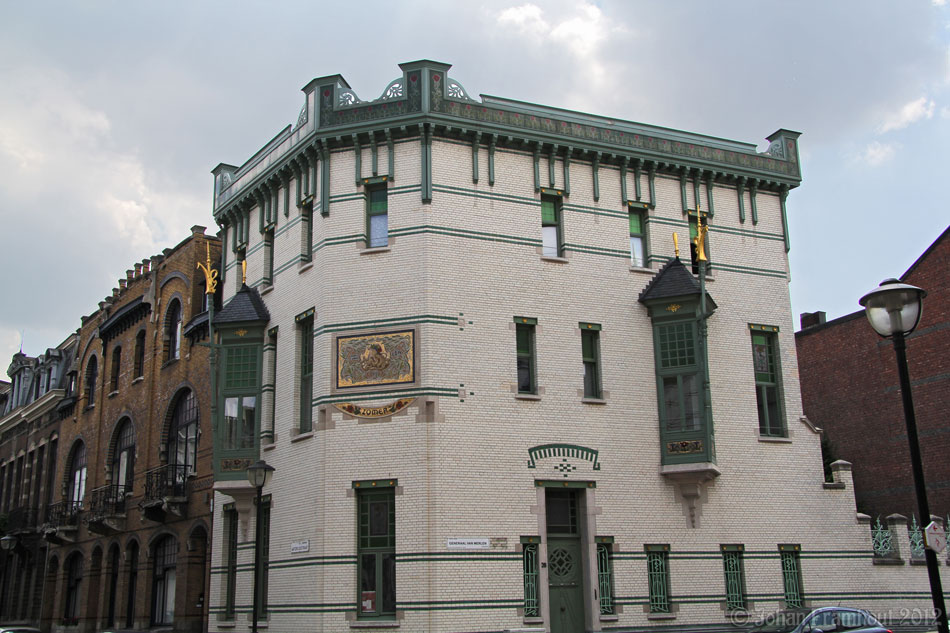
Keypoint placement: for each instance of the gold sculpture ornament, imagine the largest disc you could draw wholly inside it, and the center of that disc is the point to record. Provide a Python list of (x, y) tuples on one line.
[(700, 239), (676, 244), (211, 275)]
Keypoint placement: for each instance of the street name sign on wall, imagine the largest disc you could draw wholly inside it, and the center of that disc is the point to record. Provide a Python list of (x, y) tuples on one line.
[(468, 543)]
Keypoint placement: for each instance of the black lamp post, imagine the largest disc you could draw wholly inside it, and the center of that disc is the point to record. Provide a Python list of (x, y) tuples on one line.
[(893, 310), (257, 475)]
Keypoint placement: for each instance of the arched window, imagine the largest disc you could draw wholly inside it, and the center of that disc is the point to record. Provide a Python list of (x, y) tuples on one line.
[(77, 477), (123, 461), (92, 375), (173, 331), (140, 354), (183, 435), (163, 588), (116, 366), (73, 580)]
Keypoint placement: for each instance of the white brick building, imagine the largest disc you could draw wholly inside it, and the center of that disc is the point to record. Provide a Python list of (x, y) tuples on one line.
[(469, 352)]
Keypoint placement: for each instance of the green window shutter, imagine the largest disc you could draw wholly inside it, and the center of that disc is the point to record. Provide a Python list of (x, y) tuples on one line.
[(636, 223)]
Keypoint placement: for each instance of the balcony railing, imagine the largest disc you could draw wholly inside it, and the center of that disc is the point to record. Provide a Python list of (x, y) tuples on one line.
[(64, 513), (170, 480), (107, 500)]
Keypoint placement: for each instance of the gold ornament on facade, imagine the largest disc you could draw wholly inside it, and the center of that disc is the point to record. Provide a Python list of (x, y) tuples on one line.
[(699, 241), (374, 356), (673, 307), (211, 275), (241, 332), (676, 244), (243, 272)]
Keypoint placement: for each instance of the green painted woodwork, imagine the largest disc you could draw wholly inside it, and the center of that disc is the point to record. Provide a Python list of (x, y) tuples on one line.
[(783, 194), (623, 180), (324, 166), (658, 577), (491, 160), (710, 205), (552, 159), (595, 174), (476, 144), (734, 576), (605, 580), (792, 576), (683, 199), (530, 570), (364, 484), (565, 585), (573, 451), (590, 356), (740, 192), (374, 149), (652, 183), (545, 483), (590, 326), (567, 170), (392, 154), (306, 372), (376, 548), (536, 156), (230, 516), (752, 204), (768, 382), (526, 360), (696, 197)]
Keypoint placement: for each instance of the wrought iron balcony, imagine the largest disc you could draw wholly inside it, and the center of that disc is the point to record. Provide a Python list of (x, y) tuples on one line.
[(107, 500), (169, 481), (63, 514)]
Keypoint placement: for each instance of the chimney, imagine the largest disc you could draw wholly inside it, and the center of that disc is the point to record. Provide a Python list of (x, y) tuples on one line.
[(145, 265), (197, 230), (138, 270), (811, 319)]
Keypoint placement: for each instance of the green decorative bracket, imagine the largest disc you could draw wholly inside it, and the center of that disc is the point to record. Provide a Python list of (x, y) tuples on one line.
[(375, 483), (696, 180), (636, 178), (552, 159), (324, 164), (286, 186), (426, 139), (375, 152), (260, 197), (491, 161), (652, 183), (357, 158), (623, 180), (710, 208), (390, 147), (567, 170), (782, 195), (537, 168), (740, 191), (683, 189), (476, 143), (545, 451), (595, 167)]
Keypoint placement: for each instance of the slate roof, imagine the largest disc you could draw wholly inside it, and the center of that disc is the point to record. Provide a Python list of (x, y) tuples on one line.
[(245, 306), (673, 280)]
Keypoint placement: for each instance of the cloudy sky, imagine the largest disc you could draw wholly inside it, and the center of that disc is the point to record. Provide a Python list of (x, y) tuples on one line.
[(112, 114)]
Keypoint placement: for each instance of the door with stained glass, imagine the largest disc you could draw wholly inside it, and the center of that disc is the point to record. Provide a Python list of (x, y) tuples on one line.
[(565, 562)]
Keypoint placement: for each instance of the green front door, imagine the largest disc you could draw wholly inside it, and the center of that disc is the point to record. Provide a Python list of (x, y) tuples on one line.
[(565, 575)]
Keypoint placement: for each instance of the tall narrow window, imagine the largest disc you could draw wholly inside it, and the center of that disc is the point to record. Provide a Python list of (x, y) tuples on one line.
[(77, 477), (677, 371), (377, 216), (658, 574), (73, 581), (173, 331), (637, 250), (551, 230), (306, 232), (263, 556), (92, 376), (377, 553), (590, 352), (306, 374), (269, 257), (230, 556), (524, 335), (163, 587), (791, 575), (241, 384), (132, 555), (529, 561), (183, 438), (123, 463), (113, 585), (140, 354), (734, 573), (767, 380), (605, 575), (116, 367)]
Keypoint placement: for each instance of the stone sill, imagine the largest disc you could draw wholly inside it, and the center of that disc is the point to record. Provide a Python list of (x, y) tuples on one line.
[(528, 396), (138, 380), (268, 447), (374, 624), (593, 401), (641, 269), (305, 266), (169, 362), (833, 485), (266, 288), (556, 260), (775, 440), (661, 616), (887, 561), (297, 437), (375, 249), (113, 394)]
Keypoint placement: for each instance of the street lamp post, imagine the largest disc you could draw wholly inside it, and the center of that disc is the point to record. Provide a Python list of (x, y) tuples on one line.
[(893, 310), (257, 475)]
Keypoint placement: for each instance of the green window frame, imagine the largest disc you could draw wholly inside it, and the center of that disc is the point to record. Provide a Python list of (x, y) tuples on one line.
[(263, 556), (768, 381), (792, 576), (240, 414), (678, 377), (306, 232), (605, 575), (376, 553), (269, 257), (658, 577), (590, 354), (733, 570), (377, 216), (305, 327), (530, 567), (637, 238), (526, 355), (230, 559), (552, 230)]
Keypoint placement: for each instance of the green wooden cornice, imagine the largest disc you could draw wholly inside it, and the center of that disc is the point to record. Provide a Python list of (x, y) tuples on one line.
[(425, 101)]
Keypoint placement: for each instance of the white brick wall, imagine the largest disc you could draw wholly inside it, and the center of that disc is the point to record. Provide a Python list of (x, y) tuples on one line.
[(466, 474)]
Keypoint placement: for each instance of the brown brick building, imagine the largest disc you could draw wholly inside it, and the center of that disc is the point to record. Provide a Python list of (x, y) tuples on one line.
[(130, 519), (850, 389)]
